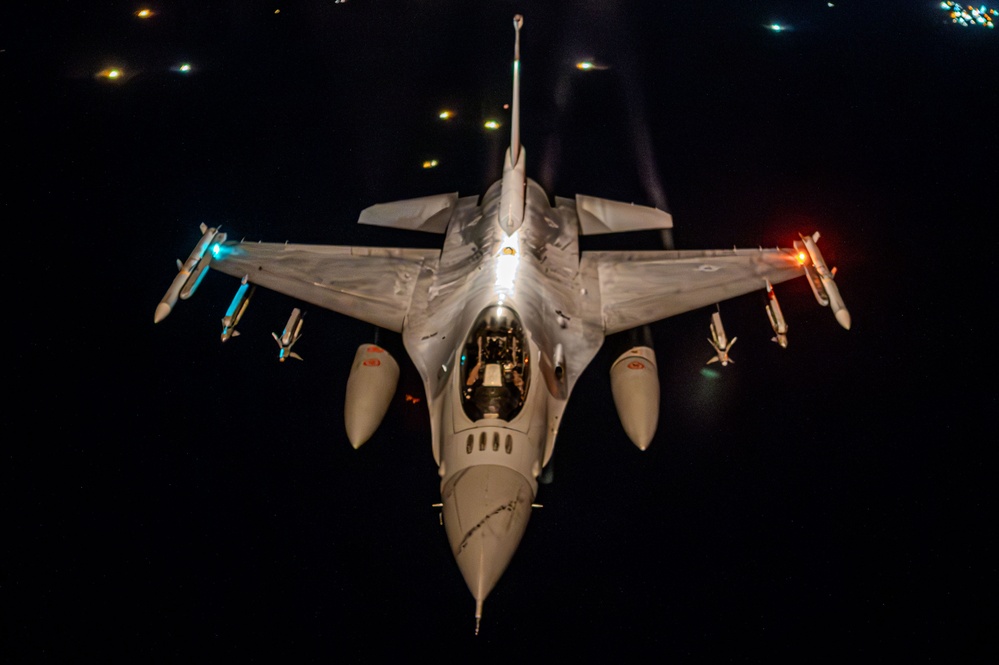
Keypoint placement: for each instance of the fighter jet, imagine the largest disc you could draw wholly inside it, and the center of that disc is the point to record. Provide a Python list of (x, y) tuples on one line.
[(501, 322)]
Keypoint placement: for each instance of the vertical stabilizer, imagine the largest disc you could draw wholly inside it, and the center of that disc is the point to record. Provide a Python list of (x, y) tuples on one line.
[(511, 214), (518, 22)]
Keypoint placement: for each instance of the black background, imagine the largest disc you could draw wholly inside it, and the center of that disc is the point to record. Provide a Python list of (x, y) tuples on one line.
[(170, 498)]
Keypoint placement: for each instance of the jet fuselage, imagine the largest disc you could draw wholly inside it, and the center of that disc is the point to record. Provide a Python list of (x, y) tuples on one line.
[(519, 292)]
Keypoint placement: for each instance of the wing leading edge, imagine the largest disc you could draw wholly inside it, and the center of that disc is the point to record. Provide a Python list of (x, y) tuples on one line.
[(372, 284), (642, 287)]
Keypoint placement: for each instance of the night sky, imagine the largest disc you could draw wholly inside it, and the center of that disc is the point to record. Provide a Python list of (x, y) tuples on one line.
[(168, 498)]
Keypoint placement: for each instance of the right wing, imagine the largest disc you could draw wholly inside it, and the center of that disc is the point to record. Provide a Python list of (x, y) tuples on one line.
[(642, 287), (373, 284)]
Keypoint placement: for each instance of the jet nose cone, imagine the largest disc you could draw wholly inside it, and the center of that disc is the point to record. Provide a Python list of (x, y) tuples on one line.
[(486, 509)]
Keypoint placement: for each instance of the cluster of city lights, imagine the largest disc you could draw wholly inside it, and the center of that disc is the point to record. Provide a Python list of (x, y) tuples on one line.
[(968, 15)]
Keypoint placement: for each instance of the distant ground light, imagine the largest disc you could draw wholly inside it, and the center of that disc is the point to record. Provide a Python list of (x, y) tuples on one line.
[(779, 27), (183, 68), (446, 114), (491, 124), (589, 66), (969, 15), (145, 13), (430, 163)]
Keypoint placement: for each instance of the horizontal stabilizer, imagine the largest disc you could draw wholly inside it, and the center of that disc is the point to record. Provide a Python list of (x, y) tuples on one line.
[(426, 213), (597, 216)]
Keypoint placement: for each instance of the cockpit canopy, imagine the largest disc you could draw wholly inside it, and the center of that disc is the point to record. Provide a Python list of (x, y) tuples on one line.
[(494, 366)]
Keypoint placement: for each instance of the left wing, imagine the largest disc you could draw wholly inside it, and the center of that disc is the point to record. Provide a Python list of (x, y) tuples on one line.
[(641, 287), (373, 284)]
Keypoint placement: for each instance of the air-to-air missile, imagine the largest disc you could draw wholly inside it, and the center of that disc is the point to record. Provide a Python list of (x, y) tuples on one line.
[(719, 341), (190, 273), (821, 279), (776, 317), (291, 334), (236, 309)]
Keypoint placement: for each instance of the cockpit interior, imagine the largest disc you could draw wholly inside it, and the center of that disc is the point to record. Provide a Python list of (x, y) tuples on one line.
[(494, 366)]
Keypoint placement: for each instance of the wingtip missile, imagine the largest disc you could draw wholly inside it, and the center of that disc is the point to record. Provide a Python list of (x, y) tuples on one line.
[(843, 317), (821, 279), (162, 311), (189, 275)]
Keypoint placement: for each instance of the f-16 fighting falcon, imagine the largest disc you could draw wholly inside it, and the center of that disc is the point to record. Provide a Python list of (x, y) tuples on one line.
[(500, 322)]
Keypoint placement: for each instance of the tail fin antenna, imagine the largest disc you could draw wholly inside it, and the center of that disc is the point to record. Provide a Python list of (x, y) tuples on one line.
[(518, 22)]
